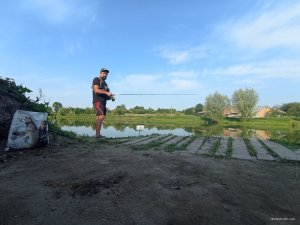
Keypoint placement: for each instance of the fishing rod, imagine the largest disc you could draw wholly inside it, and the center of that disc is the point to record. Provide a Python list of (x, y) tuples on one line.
[(155, 94), (150, 94)]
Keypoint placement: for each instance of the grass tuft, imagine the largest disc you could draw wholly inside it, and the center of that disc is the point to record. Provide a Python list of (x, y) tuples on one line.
[(250, 147), (228, 153), (268, 149), (215, 146)]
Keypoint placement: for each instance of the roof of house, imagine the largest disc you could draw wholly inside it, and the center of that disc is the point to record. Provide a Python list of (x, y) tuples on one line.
[(259, 108), (231, 110)]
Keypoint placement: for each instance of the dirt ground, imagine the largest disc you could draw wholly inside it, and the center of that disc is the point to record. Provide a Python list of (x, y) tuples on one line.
[(70, 182)]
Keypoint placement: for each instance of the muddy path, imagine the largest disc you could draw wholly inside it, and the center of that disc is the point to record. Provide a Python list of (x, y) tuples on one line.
[(109, 183)]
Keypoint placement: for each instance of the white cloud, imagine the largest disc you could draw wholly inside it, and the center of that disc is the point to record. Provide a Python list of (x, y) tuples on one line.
[(141, 79), (137, 83), (174, 56), (60, 11), (183, 84), (157, 83), (247, 82), (177, 55), (184, 74), (265, 69), (277, 27), (263, 44)]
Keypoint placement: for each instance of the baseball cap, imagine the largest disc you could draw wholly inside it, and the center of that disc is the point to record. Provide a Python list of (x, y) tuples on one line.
[(104, 70)]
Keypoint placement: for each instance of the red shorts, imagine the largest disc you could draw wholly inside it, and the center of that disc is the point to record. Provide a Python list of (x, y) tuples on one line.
[(100, 108)]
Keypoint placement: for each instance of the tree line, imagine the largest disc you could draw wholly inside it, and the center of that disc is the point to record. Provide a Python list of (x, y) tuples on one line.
[(58, 109), (243, 101)]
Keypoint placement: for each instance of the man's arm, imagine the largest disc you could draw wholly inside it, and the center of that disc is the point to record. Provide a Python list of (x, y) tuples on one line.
[(97, 90)]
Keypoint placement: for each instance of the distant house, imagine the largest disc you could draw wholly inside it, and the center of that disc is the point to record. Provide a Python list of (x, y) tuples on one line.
[(231, 112), (262, 111), (258, 112), (277, 112), (202, 113)]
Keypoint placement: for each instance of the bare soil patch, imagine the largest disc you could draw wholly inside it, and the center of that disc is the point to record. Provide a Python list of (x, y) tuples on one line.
[(71, 182)]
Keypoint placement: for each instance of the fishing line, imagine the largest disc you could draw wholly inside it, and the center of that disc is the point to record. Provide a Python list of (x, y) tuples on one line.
[(156, 94)]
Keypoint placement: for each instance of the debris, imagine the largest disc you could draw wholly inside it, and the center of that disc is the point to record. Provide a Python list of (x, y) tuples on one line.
[(94, 186), (175, 184), (171, 184)]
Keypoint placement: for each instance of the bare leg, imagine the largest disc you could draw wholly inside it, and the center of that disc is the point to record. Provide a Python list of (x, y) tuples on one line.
[(99, 121)]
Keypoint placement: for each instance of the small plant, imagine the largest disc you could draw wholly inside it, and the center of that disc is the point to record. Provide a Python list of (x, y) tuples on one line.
[(290, 141), (215, 146), (250, 147), (175, 147), (268, 149), (148, 146), (58, 131), (9, 87), (184, 146), (228, 153), (204, 140), (172, 147)]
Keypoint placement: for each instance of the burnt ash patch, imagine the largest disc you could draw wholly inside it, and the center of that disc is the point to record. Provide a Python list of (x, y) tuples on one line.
[(175, 184), (93, 186)]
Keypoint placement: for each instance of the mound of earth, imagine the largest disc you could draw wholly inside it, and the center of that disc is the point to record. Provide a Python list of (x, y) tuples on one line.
[(8, 106)]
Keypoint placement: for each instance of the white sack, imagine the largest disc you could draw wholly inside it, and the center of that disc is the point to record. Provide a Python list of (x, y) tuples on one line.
[(28, 129)]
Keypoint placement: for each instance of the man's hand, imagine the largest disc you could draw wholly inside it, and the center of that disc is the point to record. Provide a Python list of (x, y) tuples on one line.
[(113, 98)]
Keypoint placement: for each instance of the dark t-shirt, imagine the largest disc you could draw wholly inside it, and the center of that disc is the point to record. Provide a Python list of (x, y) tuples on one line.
[(103, 86)]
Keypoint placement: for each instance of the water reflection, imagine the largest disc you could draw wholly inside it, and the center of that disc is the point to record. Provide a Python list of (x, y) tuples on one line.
[(112, 131), (124, 130)]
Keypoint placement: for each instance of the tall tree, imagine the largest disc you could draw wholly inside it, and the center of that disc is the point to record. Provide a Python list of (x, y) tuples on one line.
[(215, 105), (194, 110), (138, 110), (198, 108), (120, 110), (291, 109), (245, 101), (56, 106), (189, 111)]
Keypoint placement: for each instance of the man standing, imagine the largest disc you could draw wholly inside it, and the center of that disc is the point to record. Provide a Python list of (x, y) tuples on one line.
[(101, 94)]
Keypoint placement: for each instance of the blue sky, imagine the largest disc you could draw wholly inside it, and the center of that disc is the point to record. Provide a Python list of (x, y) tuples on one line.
[(158, 46)]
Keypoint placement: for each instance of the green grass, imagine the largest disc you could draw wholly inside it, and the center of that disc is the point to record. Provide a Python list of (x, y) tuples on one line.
[(283, 122), (140, 119), (250, 147), (189, 142), (184, 121), (53, 129), (204, 140), (228, 153), (215, 146), (174, 147), (151, 145), (291, 162), (268, 149), (293, 144)]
